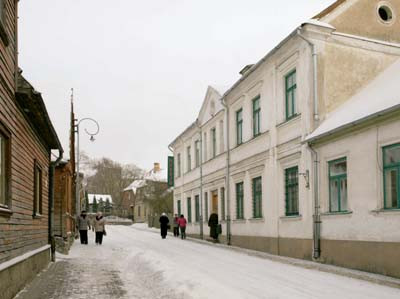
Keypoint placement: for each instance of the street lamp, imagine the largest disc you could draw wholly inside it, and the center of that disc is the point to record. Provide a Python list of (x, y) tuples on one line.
[(78, 201)]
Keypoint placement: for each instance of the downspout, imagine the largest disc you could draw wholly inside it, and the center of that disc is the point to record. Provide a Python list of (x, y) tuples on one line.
[(316, 216), (52, 167), (227, 178), (201, 180)]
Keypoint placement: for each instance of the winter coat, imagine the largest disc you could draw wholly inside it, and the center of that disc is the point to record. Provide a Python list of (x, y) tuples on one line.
[(99, 224), (176, 222), (182, 222), (213, 224), (83, 223), (164, 224)]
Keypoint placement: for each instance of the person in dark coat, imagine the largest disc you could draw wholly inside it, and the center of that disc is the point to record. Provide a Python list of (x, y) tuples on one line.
[(164, 225), (213, 224)]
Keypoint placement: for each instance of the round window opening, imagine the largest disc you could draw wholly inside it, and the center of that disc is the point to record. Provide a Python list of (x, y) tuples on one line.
[(385, 13)]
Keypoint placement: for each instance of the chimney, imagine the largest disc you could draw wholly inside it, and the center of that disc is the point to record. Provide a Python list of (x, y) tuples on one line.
[(156, 167)]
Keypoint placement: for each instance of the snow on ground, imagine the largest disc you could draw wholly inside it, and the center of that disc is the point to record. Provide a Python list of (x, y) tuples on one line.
[(151, 267)]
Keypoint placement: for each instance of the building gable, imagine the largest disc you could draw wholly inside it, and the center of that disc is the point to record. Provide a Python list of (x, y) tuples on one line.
[(368, 18), (211, 104)]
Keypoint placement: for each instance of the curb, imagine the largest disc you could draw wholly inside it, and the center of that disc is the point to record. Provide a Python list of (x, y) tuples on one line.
[(312, 265)]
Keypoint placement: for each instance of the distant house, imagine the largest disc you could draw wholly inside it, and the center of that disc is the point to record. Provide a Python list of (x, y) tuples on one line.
[(100, 203), (147, 196)]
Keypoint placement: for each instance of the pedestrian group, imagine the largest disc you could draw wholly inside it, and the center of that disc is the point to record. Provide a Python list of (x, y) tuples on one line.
[(98, 226)]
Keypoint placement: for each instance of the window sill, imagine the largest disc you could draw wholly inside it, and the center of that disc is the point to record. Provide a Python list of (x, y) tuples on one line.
[(5, 212), (261, 219), (386, 211), (286, 121), (37, 216), (291, 218), (337, 213), (239, 220)]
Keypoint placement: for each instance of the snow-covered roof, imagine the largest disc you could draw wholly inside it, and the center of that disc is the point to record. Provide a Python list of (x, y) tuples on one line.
[(152, 175), (319, 23), (104, 197), (380, 96)]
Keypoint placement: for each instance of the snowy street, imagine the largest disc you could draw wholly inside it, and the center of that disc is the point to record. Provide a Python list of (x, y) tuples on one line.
[(136, 263)]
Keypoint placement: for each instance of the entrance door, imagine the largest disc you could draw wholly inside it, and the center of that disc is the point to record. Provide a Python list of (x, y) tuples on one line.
[(214, 202)]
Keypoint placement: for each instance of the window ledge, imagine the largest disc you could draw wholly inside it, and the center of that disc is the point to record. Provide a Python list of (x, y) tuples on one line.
[(37, 216), (337, 213), (386, 211), (261, 219), (5, 211), (239, 220), (291, 218), (286, 121)]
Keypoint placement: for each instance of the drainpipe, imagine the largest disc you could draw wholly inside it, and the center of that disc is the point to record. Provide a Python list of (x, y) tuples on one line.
[(52, 167), (317, 215), (201, 181), (228, 198), (315, 73)]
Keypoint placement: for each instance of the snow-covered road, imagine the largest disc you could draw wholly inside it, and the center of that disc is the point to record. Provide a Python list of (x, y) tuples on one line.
[(150, 267)]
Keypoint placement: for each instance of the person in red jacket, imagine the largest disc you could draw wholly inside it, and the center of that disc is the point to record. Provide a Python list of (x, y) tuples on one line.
[(182, 226)]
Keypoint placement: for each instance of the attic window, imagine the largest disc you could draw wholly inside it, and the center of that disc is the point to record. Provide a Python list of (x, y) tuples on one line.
[(385, 13)]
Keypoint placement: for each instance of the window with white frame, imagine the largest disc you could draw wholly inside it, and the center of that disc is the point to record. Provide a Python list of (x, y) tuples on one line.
[(179, 165), (214, 142), (292, 191), (239, 201), (257, 197), (197, 152), (205, 147), (239, 127), (189, 158)]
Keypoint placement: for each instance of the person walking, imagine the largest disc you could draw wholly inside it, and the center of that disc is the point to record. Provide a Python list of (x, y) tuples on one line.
[(83, 224), (164, 225), (99, 228), (176, 225), (182, 226), (213, 224)]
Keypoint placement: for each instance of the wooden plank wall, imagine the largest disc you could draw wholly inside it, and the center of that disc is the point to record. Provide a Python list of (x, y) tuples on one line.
[(20, 232)]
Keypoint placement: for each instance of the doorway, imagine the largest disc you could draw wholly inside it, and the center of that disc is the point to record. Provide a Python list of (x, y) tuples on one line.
[(214, 198)]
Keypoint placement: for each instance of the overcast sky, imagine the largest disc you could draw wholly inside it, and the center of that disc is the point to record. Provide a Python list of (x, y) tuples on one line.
[(141, 68)]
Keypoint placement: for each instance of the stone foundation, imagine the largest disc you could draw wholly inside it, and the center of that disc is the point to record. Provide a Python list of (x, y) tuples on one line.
[(18, 272)]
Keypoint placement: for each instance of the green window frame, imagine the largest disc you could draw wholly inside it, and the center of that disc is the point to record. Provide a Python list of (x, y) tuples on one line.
[(197, 208), (239, 201), (179, 206), (292, 191), (197, 152), (189, 209), (338, 186), (239, 126), (256, 116), (290, 94), (5, 167), (214, 142), (189, 158), (391, 176), (257, 197), (223, 213), (206, 206)]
